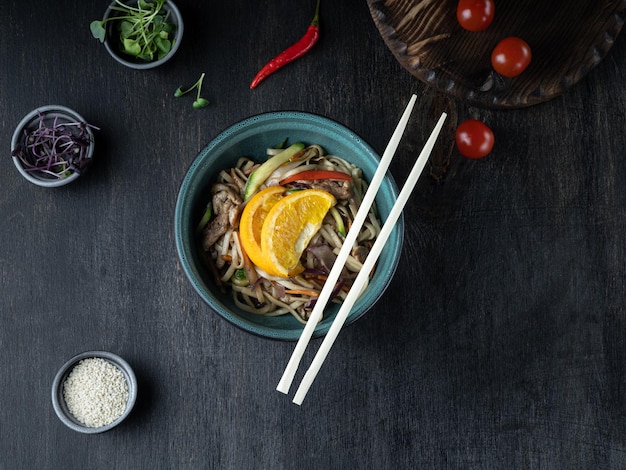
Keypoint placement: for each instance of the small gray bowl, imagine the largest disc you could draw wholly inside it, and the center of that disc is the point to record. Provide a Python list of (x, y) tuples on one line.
[(112, 40), (58, 400), (30, 122)]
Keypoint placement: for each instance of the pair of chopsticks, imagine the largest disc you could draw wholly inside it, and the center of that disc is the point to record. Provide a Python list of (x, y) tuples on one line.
[(361, 279)]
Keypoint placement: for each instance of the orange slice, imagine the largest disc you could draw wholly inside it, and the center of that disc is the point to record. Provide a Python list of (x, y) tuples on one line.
[(289, 227), (251, 223)]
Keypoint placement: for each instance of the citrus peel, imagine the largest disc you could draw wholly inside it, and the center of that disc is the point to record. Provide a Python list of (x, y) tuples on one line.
[(275, 228), (251, 223), (289, 227)]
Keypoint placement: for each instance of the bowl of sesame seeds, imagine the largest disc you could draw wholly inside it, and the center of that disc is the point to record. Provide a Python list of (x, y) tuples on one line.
[(94, 392)]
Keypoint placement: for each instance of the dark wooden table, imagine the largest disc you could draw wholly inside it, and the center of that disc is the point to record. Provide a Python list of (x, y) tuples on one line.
[(499, 344)]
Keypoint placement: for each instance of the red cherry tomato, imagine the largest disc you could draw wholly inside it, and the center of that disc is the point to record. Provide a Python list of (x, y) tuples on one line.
[(474, 139), (511, 57), (475, 15)]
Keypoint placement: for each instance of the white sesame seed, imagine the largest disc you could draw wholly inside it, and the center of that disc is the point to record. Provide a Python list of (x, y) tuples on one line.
[(96, 392)]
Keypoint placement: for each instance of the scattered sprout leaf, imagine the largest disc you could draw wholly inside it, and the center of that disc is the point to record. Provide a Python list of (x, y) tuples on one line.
[(97, 30), (200, 103)]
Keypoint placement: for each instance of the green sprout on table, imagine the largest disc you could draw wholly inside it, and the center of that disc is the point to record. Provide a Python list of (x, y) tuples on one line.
[(144, 31), (199, 101)]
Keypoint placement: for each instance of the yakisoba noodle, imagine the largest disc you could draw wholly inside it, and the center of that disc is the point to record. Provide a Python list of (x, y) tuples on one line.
[(252, 289)]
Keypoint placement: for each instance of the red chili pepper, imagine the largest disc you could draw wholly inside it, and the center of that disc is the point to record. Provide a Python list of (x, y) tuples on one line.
[(297, 50), (317, 175)]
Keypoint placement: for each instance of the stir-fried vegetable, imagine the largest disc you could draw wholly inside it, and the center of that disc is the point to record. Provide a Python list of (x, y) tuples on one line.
[(276, 227), (206, 217), (317, 175), (258, 176), (341, 228)]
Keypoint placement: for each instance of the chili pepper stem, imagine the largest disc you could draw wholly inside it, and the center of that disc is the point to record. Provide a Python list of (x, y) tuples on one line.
[(199, 102), (316, 17)]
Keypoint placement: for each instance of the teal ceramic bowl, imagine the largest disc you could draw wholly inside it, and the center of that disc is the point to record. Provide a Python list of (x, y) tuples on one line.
[(251, 137)]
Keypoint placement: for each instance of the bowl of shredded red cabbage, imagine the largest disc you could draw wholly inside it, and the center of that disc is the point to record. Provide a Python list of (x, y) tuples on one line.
[(52, 146)]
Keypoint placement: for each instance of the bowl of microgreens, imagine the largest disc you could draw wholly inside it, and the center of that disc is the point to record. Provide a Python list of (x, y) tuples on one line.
[(140, 34), (52, 146)]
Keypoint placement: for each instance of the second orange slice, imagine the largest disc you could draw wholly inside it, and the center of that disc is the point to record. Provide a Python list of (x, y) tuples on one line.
[(288, 228)]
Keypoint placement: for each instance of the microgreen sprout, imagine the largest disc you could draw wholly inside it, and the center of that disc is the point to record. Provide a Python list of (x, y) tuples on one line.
[(144, 30), (199, 101), (56, 150)]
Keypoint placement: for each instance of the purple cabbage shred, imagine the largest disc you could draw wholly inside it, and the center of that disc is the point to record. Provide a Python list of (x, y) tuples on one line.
[(55, 151)]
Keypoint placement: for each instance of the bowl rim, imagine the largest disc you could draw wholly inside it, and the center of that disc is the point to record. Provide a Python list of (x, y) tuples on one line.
[(119, 57), (49, 109), (58, 402), (184, 255)]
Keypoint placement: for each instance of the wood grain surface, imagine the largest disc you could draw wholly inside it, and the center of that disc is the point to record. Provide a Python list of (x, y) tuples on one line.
[(500, 343), (567, 38)]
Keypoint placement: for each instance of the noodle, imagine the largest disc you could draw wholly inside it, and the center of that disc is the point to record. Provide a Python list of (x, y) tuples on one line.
[(252, 289)]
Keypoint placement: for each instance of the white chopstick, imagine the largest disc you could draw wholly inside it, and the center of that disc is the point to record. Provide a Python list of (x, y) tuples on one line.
[(346, 248), (368, 265)]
